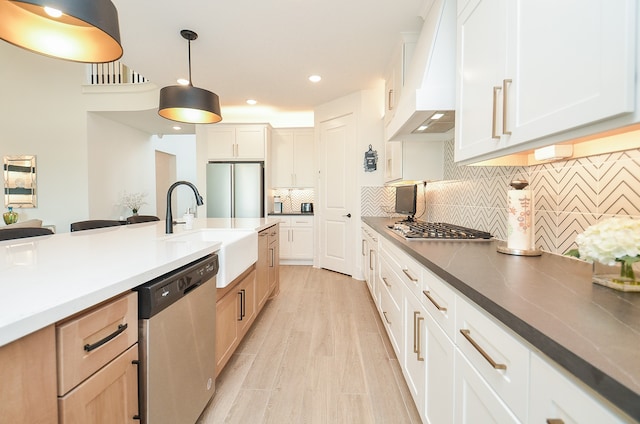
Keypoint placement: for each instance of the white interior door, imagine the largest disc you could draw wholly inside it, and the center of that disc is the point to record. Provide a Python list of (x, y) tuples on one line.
[(337, 188)]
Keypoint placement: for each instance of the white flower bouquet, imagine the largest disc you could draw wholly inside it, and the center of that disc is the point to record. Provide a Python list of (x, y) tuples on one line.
[(133, 201), (611, 241)]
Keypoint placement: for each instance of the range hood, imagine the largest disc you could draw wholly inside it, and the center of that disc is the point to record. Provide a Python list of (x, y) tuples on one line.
[(426, 108)]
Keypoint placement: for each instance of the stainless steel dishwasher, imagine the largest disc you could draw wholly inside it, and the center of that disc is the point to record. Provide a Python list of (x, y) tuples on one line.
[(177, 322)]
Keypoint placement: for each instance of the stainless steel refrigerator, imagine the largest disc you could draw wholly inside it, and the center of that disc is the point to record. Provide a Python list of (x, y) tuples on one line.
[(235, 190)]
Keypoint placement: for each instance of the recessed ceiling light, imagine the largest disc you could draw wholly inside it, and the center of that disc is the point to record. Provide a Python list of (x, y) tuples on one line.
[(177, 128), (422, 127), (252, 102), (183, 81), (315, 78), (437, 115)]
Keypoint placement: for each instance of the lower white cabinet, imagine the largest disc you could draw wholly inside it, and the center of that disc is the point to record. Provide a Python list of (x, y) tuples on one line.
[(369, 255), (476, 402), (554, 398), (461, 365), (296, 239)]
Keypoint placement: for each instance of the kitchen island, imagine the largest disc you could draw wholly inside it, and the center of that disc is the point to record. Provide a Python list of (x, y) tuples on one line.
[(549, 301), (46, 279)]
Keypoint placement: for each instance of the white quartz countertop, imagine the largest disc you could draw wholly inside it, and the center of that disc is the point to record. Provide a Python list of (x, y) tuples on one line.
[(46, 279)]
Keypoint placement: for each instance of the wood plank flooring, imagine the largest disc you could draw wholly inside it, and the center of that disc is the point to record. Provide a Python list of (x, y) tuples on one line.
[(318, 353)]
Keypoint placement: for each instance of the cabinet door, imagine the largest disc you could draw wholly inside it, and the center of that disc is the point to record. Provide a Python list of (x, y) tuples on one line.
[(553, 90), (303, 165), (475, 401), (553, 396), (221, 141), (301, 243), (415, 343), (285, 245), (482, 50), (439, 382), (227, 312), (282, 158), (393, 161), (247, 302), (274, 265), (262, 269), (250, 141), (364, 253), (108, 396)]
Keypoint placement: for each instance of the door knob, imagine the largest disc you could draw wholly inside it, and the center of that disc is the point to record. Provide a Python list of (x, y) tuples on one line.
[(347, 215)]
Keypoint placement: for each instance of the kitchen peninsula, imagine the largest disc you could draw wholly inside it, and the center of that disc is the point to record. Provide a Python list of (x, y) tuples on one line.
[(546, 306), (47, 279)]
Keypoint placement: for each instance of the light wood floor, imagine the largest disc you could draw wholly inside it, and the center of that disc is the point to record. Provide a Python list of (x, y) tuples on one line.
[(317, 354)]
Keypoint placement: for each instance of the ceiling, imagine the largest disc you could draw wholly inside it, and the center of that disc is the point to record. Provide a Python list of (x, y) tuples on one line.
[(264, 49)]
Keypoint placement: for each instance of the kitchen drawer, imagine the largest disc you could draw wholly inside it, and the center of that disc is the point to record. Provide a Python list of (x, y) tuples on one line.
[(391, 282), (301, 221), (79, 352), (285, 220), (391, 315), (498, 356), (409, 271), (439, 300)]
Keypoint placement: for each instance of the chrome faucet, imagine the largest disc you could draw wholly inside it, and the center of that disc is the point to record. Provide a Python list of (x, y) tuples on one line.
[(169, 216)]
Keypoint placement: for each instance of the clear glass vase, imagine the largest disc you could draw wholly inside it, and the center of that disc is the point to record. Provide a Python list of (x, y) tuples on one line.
[(623, 276)]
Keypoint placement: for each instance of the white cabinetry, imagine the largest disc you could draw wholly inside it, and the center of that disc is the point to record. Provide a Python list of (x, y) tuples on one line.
[(237, 142), (395, 74), (296, 239), (518, 84), (413, 161), (292, 158), (554, 398), (370, 258)]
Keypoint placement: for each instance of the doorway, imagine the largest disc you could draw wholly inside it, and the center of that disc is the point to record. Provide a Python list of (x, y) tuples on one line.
[(165, 176)]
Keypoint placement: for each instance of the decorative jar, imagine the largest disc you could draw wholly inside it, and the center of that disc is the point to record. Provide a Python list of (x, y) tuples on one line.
[(10, 217)]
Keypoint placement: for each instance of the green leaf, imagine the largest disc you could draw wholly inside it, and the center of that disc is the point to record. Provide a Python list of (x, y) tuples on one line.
[(573, 252)]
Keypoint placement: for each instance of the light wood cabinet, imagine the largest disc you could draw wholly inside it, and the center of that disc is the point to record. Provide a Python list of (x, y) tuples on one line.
[(109, 396), (516, 82), (97, 355), (237, 142), (262, 269), (292, 164), (274, 261), (28, 379), (235, 312)]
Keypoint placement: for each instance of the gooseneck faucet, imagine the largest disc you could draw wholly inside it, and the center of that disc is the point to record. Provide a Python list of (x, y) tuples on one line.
[(169, 216)]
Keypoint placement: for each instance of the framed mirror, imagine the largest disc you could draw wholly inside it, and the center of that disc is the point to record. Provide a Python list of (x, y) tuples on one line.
[(20, 181)]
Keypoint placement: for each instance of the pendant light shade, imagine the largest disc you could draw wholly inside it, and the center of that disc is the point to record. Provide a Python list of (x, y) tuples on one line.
[(186, 103), (76, 30)]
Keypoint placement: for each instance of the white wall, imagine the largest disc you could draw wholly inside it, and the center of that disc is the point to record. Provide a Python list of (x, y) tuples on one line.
[(121, 159), (42, 114)]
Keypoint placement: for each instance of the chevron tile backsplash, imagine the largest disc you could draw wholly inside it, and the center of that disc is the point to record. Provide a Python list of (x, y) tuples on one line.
[(568, 196)]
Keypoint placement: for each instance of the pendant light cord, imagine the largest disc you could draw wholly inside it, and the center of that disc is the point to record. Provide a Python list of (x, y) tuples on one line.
[(190, 83)]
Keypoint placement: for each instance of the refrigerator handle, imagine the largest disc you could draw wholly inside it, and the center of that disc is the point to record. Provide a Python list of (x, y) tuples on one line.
[(233, 190)]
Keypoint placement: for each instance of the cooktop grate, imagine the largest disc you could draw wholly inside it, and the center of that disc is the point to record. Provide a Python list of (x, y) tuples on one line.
[(438, 230)]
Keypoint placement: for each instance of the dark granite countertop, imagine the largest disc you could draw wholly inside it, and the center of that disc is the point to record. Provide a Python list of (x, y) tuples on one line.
[(550, 301)]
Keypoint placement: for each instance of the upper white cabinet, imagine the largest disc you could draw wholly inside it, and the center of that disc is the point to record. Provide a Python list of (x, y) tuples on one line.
[(292, 158), (394, 80), (413, 161), (237, 142), (529, 70)]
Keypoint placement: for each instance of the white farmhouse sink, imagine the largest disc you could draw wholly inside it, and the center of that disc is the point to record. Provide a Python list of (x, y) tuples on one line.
[(239, 250)]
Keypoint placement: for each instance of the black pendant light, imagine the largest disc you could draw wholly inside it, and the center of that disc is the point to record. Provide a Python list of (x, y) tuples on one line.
[(186, 103), (75, 30)]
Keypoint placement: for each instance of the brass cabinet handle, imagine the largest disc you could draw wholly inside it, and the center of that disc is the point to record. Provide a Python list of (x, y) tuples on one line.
[(505, 82), (467, 335), (385, 317), (493, 115), (420, 358), (272, 257), (411, 277), (438, 307), (390, 99), (386, 283), (555, 421), (371, 257), (416, 349)]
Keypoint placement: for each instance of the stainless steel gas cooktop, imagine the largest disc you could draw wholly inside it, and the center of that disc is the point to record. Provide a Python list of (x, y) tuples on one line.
[(421, 230)]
